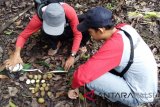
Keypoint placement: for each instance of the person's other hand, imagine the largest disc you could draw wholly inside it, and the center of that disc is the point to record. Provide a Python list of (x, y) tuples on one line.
[(73, 94), (13, 60), (69, 63)]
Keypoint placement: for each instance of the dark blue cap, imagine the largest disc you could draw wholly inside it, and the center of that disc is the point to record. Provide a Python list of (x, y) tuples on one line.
[(95, 18)]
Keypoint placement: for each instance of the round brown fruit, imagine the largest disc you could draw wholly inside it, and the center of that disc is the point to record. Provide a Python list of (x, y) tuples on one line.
[(30, 76), (44, 85), (49, 76), (33, 91), (42, 88), (49, 93), (35, 77), (39, 76), (46, 88), (44, 76), (36, 89), (42, 93), (41, 100), (37, 94)]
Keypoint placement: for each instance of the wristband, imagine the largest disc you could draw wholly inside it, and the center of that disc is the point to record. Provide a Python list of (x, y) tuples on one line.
[(72, 54)]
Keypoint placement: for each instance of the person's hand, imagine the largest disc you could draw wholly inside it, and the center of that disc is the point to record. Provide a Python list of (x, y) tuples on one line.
[(13, 60), (69, 63), (73, 94)]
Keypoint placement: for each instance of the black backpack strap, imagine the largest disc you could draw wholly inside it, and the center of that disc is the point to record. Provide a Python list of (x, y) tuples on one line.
[(131, 54), (39, 4), (39, 11)]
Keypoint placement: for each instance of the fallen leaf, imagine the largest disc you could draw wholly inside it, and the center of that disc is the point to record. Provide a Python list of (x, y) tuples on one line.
[(63, 104), (3, 77), (154, 51), (58, 94), (17, 83), (34, 103), (51, 96), (20, 27), (32, 59), (57, 77), (52, 52), (22, 78), (17, 23), (12, 91), (81, 97), (8, 32), (62, 88), (11, 104), (48, 60)]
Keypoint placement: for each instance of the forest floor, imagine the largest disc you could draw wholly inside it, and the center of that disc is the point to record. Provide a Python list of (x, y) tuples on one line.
[(14, 92)]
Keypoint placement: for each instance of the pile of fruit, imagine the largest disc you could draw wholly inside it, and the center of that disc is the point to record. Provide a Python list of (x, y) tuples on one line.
[(39, 86)]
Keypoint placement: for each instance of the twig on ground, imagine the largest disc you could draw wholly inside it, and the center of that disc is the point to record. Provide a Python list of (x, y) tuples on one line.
[(2, 28), (135, 21), (58, 71), (84, 102), (3, 77)]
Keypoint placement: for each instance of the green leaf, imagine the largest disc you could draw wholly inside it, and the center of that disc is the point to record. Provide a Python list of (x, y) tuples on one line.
[(85, 56), (70, 80), (109, 6), (146, 15), (71, 70), (59, 68), (11, 104), (81, 97), (133, 14), (152, 14), (8, 32), (43, 64), (27, 66)]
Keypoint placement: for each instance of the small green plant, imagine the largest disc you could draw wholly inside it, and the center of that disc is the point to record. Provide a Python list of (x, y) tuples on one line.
[(109, 6), (27, 66), (43, 64), (152, 15)]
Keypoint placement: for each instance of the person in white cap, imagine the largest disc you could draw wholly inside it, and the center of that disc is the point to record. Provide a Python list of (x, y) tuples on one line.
[(59, 23)]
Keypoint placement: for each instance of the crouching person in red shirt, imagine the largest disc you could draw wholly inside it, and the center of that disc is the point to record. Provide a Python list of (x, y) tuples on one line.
[(123, 69), (58, 24)]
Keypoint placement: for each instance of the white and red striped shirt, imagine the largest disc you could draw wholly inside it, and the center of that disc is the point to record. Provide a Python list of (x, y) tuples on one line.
[(114, 54)]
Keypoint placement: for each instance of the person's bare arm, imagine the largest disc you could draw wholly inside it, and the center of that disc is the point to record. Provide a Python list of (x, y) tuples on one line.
[(14, 59), (33, 26)]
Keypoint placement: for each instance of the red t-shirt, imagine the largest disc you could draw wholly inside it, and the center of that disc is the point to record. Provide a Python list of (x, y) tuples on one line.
[(35, 24)]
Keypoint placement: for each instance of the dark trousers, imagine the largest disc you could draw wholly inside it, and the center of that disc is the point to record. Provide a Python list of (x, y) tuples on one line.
[(66, 36)]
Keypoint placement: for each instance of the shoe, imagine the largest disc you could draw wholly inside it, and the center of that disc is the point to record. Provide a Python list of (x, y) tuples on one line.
[(52, 52)]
